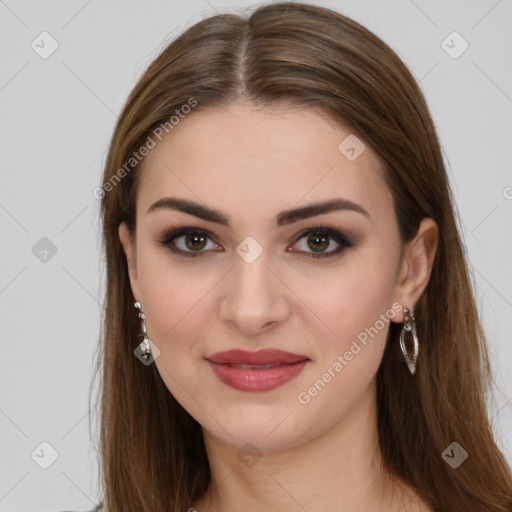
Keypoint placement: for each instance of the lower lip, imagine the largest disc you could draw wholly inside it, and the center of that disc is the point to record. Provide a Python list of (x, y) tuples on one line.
[(257, 380)]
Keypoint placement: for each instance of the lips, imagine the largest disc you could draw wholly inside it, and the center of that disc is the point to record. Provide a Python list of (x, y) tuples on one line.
[(256, 371), (262, 357)]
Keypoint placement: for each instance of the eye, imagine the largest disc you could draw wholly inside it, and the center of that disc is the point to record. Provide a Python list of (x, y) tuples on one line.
[(195, 242), (318, 241), (188, 241)]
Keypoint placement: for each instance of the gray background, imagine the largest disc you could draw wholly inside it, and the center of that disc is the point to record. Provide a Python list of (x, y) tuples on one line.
[(57, 115)]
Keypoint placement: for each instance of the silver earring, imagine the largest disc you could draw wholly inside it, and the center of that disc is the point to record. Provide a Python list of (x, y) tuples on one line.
[(144, 345), (409, 325)]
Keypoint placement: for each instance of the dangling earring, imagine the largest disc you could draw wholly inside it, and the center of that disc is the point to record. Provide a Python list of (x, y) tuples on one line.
[(144, 345), (409, 325)]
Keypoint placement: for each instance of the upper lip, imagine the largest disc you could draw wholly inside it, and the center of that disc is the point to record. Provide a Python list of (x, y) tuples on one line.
[(263, 356)]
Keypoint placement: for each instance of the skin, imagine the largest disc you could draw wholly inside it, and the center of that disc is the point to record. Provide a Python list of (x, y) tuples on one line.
[(251, 164)]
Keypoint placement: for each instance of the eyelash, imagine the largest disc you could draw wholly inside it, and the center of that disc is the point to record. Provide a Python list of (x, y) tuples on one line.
[(344, 240)]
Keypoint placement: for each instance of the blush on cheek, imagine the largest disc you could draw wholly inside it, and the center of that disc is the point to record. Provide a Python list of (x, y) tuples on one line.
[(363, 337)]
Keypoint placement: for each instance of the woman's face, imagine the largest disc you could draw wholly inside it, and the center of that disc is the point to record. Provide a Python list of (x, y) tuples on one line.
[(247, 277)]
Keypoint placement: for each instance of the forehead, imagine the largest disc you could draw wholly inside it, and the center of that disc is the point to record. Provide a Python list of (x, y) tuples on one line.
[(242, 158)]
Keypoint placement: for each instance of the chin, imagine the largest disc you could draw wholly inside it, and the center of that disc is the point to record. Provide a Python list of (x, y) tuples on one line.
[(265, 428)]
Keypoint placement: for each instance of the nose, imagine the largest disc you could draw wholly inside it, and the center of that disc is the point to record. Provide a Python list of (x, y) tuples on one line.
[(255, 299)]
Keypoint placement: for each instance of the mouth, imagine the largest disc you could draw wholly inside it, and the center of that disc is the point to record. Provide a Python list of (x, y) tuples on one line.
[(256, 371), (253, 366), (260, 358)]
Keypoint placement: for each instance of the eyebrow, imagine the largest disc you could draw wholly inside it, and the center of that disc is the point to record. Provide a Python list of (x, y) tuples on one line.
[(283, 218)]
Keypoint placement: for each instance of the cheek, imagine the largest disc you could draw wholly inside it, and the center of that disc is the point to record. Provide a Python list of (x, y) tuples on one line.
[(357, 308), (176, 323), (177, 302), (359, 311), (352, 299), (169, 289)]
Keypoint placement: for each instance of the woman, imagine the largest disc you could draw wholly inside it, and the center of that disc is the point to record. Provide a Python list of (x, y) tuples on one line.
[(289, 319)]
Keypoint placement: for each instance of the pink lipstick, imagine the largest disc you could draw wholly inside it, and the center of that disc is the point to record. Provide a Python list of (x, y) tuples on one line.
[(263, 370)]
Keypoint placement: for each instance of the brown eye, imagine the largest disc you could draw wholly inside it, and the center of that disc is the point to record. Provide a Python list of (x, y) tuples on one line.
[(318, 240), (195, 241), (188, 242), (318, 243)]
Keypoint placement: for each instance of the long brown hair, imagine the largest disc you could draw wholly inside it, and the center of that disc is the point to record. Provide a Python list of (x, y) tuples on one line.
[(152, 451)]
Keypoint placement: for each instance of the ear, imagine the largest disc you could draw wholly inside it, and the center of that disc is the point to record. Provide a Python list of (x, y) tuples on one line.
[(128, 243), (416, 267)]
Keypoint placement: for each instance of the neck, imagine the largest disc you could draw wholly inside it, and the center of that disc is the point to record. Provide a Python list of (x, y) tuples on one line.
[(340, 470)]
